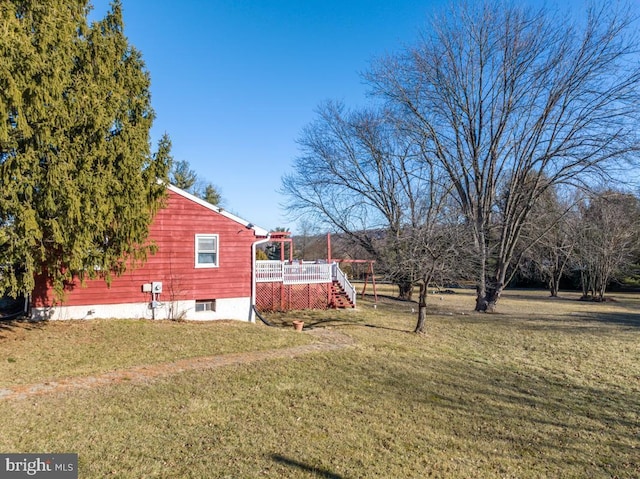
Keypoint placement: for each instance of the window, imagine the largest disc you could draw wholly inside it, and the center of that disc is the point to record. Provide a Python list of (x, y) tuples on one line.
[(203, 305), (206, 251)]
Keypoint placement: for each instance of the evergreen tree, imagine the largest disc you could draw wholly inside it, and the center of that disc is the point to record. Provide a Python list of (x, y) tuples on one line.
[(79, 186), (211, 195), (187, 179), (183, 176)]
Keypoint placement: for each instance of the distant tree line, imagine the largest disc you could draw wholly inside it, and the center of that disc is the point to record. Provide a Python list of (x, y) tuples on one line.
[(484, 149), (594, 243)]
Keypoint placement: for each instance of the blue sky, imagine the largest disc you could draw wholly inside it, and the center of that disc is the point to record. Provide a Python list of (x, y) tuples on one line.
[(233, 82)]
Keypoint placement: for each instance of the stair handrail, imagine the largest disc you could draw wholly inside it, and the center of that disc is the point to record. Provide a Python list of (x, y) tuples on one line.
[(339, 276)]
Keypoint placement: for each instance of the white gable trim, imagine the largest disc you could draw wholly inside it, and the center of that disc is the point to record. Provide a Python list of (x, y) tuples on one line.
[(258, 231)]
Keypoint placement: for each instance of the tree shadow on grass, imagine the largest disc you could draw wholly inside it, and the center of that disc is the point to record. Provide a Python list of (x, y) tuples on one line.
[(313, 319), (571, 296), (6, 326), (583, 323), (9, 326), (330, 322), (575, 322), (533, 411), (631, 320), (333, 323), (292, 463), (309, 324)]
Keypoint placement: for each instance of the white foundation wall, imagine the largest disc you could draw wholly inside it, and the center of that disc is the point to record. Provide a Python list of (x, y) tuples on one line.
[(229, 308)]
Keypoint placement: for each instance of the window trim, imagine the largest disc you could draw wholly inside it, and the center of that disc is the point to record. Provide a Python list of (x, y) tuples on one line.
[(216, 252), (211, 302)]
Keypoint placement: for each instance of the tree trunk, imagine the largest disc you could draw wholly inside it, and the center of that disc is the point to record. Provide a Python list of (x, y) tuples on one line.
[(487, 300), (556, 276), (493, 295), (583, 285), (405, 291), (422, 309), (602, 289), (554, 286), (481, 302), (481, 292), (489, 294)]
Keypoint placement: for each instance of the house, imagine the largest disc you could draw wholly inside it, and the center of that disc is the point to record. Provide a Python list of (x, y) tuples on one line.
[(203, 269)]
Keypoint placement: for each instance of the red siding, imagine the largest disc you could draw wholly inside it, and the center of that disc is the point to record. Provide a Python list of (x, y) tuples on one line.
[(173, 231)]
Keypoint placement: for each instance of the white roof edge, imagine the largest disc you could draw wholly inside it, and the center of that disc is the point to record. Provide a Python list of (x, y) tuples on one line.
[(258, 231)]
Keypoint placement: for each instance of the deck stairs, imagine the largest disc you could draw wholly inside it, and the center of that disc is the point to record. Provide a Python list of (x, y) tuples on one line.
[(339, 298)]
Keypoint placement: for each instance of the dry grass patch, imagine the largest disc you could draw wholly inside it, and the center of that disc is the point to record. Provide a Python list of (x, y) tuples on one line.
[(54, 350), (545, 388)]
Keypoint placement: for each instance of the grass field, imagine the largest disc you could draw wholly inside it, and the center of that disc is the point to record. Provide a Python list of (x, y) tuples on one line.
[(544, 388)]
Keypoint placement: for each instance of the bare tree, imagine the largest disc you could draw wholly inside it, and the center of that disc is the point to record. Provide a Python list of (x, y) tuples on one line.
[(607, 240), (499, 95), (552, 254), (365, 177), (311, 242), (548, 239), (359, 175), (432, 254)]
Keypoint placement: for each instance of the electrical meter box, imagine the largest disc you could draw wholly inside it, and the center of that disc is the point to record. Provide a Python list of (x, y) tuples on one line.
[(156, 287)]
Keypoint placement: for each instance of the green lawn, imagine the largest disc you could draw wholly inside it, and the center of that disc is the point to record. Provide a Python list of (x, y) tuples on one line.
[(545, 388)]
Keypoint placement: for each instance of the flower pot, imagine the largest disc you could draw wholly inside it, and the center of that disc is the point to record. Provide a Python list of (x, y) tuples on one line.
[(298, 325)]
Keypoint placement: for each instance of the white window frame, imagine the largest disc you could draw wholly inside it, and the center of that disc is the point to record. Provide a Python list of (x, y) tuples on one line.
[(208, 304), (216, 237)]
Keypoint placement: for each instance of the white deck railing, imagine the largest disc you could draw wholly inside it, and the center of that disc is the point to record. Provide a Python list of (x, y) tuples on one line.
[(269, 271), (342, 279), (306, 273), (295, 273), (303, 273)]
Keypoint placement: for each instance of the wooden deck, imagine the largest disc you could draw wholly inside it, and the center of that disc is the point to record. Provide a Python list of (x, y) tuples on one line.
[(285, 285)]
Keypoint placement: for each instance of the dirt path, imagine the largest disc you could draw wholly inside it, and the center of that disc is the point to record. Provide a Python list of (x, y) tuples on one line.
[(328, 340)]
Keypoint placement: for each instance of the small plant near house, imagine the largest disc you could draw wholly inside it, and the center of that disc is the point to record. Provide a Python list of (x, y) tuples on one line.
[(176, 289)]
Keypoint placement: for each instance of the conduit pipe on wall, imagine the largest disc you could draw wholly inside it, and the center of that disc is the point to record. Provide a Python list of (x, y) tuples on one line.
[(253, 276)]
